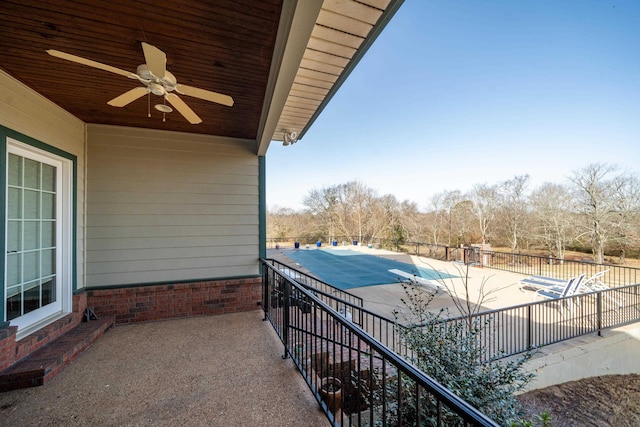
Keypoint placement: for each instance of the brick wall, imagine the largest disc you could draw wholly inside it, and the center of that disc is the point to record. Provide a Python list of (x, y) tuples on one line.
[(12, 351), (7, 346), (156, 302)]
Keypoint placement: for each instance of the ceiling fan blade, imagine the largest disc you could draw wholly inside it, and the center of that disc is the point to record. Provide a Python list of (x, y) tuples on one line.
[(90, 63), (156, 60), (128, 97), (207, 95), (183, 108)]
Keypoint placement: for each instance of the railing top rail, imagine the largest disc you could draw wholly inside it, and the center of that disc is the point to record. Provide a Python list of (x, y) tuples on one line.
[(464, 409)]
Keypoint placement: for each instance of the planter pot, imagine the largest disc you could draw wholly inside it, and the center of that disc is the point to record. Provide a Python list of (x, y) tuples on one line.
[(331, 393)]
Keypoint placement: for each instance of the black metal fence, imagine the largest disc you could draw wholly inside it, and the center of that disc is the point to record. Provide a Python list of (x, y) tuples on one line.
[(357, 380), (513, 330), (507, 331), (348, 305), (616, 275)]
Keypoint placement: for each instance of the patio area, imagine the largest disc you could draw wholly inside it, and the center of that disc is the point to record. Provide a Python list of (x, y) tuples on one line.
[(204, 371)]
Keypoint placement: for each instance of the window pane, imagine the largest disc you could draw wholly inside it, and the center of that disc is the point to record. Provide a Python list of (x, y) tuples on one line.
[(31, 235), (48, 233), (31, 174), (14, 269), (49, 292), (15, 203), (48, 178), (48, 262), (14, 236), (14, 306), (31, 204), (48, 206), (31, 297), (31, 265), (15, 170)]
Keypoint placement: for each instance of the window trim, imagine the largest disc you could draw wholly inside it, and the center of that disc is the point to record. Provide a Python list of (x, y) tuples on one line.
[(69, 254)]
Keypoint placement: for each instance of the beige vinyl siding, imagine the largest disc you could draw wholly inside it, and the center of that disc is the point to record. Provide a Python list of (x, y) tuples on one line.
[(168, 206), (23, 110)]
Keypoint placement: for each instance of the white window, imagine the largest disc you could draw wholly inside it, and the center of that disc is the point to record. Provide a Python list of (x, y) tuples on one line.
[(38, 255)]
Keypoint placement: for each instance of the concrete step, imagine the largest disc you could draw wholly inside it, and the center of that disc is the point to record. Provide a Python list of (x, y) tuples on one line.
[(43, 364)]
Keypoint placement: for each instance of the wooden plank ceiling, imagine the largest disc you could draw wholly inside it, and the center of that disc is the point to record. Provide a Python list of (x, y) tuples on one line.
[(224, 46), (340, 32)]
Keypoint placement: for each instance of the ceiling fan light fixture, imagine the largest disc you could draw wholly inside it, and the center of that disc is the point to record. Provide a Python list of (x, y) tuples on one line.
[(163, 108)]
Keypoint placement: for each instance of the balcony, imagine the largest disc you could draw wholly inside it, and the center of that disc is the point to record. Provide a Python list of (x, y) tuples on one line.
[(216, 370), (229, 369)]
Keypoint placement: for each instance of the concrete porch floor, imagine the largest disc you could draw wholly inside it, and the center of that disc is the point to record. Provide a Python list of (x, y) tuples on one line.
[(205, 371)]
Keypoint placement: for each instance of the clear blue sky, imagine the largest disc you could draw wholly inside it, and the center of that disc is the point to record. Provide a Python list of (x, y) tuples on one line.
[(459, 92)]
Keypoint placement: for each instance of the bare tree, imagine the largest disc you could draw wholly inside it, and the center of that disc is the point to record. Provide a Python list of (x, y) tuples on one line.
[(485, 206), (606, 200), (322, 204), (451, 202), (412, 221), (279, 226), (628, 228), (437, 222), (552, 216), (514, 209)]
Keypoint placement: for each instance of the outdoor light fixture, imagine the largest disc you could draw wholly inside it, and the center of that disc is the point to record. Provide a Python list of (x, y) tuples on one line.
[(290, 137)]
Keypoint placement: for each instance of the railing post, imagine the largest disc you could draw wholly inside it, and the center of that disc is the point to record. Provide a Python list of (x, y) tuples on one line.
[(285, 318), (599, 305), (539, 266), (529, 327), (265, 292)]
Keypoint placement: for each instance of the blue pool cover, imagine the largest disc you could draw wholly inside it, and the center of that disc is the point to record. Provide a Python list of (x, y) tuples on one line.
[(347, 269)]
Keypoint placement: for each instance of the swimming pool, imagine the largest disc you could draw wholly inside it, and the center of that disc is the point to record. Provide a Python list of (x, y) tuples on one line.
[(346, 269)]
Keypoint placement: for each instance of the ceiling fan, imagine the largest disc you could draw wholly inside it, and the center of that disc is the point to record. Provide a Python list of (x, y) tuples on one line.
[(156, 80)]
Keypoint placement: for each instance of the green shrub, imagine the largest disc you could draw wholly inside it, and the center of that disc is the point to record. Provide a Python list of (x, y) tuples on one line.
[(454, 355)]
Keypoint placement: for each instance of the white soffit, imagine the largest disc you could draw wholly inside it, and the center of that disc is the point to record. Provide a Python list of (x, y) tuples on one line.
[(340, 31)]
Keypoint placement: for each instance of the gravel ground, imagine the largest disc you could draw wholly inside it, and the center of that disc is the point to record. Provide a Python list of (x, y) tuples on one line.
[(604, 401), (207, 371)]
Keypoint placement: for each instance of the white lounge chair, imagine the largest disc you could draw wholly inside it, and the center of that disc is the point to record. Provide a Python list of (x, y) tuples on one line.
[(595, 283), (551, 288)]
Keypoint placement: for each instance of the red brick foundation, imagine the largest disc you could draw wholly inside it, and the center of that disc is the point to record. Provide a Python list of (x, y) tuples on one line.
[(138, 304), (7, 347), (12, 351), (157, 302)]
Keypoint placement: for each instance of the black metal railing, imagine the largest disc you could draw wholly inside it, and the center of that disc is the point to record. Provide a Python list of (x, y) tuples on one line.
[(513, 330), (616, 275), (356, 379)]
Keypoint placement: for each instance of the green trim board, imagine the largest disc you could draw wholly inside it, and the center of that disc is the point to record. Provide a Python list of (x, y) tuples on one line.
[(6, 133), (262, 215), (3, 219)]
